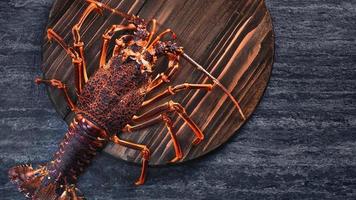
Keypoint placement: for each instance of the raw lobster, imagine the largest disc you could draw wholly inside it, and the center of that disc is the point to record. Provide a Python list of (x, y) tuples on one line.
[(108, 101)]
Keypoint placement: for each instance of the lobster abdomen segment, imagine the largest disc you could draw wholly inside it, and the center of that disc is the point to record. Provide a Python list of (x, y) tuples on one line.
[(79, 146)]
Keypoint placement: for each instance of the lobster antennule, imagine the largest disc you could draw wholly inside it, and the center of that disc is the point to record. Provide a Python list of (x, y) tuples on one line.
[(112, 10), (216, 81)]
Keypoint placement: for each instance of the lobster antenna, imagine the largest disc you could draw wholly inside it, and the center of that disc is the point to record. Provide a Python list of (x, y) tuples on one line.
[(112, 10), (216, 81)]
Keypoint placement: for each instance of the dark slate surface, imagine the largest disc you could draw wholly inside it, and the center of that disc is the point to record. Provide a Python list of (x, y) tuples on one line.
[(299, 144)]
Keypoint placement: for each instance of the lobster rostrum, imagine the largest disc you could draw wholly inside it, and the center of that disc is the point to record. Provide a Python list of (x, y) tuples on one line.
[(109, 101)]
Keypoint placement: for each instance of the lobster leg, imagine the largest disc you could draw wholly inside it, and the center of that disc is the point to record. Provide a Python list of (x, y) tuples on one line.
[(79, 44), (161, 35), (145, 155), (107, 37), (178, 88), (217, 82), (170, 106), (165, 77), (59, 85), (112, 10), (120, 44), (153, 31), (171, 47), (168, 123), (177, 149), (76, 59)]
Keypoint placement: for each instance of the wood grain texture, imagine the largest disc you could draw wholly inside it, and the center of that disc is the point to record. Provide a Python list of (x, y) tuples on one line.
[(300, 142), (232, 39)]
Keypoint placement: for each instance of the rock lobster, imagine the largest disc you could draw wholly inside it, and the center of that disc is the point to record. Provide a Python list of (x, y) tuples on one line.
[(109, 101)]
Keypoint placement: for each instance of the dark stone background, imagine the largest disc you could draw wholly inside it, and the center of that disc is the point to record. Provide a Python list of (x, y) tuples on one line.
[(299, 144)]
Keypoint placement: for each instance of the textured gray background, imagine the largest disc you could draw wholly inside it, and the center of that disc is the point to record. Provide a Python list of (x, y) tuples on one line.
[(299, 144)]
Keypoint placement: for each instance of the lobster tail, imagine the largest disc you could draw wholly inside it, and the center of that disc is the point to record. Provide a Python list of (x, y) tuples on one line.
[(33, 183), (57, 179)]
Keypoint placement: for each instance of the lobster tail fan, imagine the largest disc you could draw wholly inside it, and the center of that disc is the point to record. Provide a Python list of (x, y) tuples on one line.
[(35, 184), (30, 187), (27, 179)]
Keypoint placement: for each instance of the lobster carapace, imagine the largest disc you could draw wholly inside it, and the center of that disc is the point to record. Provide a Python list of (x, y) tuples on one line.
[(108, 102)]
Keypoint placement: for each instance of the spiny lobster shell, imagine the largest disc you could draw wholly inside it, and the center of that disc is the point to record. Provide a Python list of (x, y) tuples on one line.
[(232, 39)]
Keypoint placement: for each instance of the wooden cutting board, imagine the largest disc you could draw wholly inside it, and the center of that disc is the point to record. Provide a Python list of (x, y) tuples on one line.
[(232, 39)]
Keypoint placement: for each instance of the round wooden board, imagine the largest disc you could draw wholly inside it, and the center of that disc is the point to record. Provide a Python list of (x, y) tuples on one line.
[(232, 39)]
